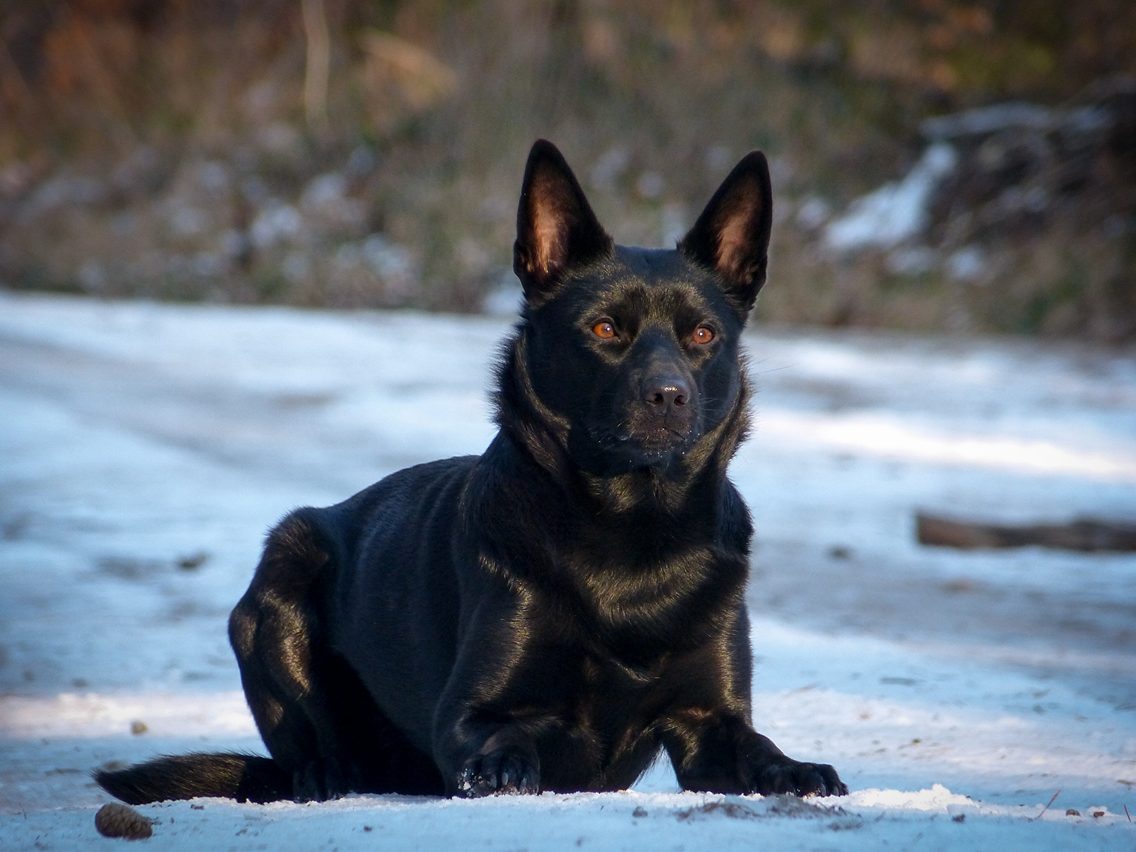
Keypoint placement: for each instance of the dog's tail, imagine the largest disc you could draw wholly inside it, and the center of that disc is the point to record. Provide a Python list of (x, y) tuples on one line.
[(243, 777)]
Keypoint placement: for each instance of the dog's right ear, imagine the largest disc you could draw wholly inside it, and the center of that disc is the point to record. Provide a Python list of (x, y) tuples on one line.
[(556, 228), (731, 237)]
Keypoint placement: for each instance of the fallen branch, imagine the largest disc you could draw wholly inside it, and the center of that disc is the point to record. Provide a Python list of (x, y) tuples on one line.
[(1052, 799), (1084, 534)]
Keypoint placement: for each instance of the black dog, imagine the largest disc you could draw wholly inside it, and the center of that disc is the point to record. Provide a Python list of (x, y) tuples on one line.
[(545, 616)]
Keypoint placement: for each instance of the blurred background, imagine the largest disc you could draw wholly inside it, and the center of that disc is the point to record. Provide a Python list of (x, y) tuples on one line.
[(938, 164)]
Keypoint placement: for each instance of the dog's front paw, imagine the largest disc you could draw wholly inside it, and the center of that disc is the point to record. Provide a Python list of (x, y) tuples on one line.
[(781, 774), (500, 771)]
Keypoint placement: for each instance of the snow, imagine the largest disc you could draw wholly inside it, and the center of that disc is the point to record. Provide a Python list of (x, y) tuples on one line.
[(896, 211), (1014, 116), (969, 699)]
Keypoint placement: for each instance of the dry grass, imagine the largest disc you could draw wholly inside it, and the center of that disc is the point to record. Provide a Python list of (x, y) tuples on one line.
[(144, 146)]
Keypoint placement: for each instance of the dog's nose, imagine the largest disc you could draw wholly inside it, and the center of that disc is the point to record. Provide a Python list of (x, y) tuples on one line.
[(666, 393)]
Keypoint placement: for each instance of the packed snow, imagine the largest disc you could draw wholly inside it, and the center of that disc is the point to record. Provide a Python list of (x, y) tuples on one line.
[(971, 700)]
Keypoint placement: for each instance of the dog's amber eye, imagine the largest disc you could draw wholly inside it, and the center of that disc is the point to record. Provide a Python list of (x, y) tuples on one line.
[(604, 330), (702, 335)]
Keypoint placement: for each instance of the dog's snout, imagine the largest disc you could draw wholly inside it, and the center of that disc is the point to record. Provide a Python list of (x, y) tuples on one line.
[(666, 393)]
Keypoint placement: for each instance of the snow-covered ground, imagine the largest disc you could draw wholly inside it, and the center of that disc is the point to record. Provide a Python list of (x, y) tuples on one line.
[(145, 448)]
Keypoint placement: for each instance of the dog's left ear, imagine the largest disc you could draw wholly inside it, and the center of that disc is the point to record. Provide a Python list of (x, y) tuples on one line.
[(731, 237), (556, 228)]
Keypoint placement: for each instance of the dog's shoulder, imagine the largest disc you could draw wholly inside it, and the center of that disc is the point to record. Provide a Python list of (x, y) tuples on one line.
[(409, 498), (411, 485)]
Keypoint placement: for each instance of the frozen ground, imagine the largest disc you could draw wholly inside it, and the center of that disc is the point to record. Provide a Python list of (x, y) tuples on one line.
[(144, 449)]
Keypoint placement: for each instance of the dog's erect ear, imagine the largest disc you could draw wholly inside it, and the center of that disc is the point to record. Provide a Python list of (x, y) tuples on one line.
[(731, 237), (556, 228)]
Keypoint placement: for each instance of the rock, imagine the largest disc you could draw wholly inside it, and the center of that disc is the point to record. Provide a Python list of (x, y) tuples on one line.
[(118, 820)]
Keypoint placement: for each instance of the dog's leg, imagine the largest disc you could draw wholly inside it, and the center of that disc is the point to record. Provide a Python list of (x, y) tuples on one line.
[(479, 747), (320, 723), (720, 752), (275, 633), (710, 740)]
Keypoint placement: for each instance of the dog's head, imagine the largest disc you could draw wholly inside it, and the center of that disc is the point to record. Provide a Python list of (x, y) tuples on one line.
[(632, 355)]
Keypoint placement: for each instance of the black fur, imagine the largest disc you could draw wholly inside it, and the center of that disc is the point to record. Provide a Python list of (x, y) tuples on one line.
[(551, 614), (244, 777)]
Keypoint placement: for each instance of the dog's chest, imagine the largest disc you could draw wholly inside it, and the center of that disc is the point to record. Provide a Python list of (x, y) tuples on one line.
[(602, 731), (616, 702)]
